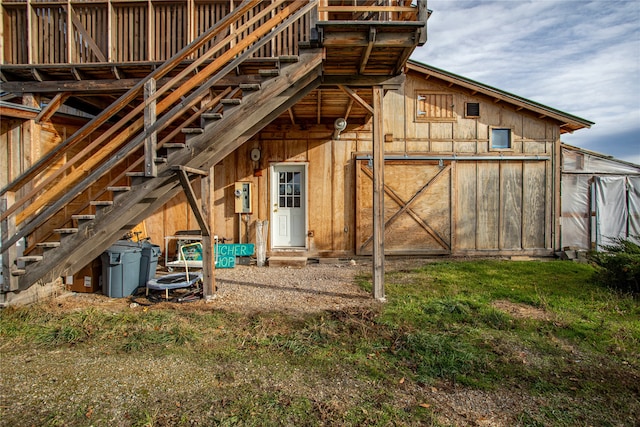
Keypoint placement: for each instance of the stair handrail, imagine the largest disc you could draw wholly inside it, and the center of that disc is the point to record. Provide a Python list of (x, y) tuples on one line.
[(301, 7)]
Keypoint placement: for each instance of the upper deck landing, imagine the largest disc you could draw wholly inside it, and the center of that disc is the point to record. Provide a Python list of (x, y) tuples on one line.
[(101, 40)]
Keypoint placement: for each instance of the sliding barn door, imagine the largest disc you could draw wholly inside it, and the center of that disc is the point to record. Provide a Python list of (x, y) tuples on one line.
[(417, 204)]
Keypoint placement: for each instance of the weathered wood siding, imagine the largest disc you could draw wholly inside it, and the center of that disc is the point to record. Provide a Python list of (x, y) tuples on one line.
[(479, 204)]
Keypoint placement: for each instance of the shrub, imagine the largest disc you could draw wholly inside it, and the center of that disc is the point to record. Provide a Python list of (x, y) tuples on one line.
[(619, 265)]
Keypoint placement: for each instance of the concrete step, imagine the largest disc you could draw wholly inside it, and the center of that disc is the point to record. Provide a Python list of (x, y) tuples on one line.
[(287, 261)]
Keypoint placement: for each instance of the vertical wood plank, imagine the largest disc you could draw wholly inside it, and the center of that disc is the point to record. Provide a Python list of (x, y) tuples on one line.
[(534, 205), (378, 194), (8, 226), (488, 205), (208, 243), (511, 205), (151, 141)]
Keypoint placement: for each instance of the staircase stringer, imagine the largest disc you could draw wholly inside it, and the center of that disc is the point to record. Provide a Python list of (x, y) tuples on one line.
[(144, 199)]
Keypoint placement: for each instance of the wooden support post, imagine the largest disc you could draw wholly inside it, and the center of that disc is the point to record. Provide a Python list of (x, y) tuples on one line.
[(151, 141), (378, 195), (423, 16), (9, 255), (208, 243)]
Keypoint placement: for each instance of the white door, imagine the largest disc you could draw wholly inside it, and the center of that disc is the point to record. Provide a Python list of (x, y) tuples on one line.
[(288, 206)]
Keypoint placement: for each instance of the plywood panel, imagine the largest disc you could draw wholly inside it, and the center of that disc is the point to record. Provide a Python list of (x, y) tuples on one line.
[(534, 229), (511, 205), (465, 213), (343, 196), (533, 128), (488, 205), (441, 131)]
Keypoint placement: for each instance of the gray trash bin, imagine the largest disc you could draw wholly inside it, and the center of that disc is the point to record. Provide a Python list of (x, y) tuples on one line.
[(148, 262), (121, 269)]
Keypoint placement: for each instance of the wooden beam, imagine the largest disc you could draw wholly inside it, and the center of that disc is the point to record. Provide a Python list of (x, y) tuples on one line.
[(208, 243), (378, 194), (151, 138), (53, 106), (352, 94), (319, 107), (183, 176), (292, 117), (348, 110), (86, 37), (8, 228), (351, 39), (364, 59)]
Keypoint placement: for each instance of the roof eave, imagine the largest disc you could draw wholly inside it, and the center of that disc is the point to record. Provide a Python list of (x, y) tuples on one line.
[(570, 123)]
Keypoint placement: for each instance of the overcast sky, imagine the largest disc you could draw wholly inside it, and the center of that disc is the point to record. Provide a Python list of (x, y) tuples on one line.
[(580, 57)]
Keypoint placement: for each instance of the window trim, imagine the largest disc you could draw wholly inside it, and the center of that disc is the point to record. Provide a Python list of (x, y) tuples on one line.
[(511, 139)]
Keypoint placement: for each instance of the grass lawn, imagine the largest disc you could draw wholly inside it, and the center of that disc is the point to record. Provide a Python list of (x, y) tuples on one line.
[(457, 343)]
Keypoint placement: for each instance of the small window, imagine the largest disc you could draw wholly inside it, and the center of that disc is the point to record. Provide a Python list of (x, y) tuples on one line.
[(472, 109), (501, 139), (434, 107)]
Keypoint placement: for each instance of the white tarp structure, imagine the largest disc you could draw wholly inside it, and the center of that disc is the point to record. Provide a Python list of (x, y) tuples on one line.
[(600, 198)]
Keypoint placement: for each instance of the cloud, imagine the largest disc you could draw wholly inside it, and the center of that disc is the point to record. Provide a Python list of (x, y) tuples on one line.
[(579, 57)]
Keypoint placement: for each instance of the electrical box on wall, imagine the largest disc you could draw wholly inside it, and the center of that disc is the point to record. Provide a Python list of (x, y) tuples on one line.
[(242, 192)]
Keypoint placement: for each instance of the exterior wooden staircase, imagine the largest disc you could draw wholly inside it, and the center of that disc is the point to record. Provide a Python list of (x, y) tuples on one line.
[(136, 137), (256, 60)]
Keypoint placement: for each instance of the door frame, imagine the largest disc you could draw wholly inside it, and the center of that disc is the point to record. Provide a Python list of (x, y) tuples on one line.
[(305, 199)]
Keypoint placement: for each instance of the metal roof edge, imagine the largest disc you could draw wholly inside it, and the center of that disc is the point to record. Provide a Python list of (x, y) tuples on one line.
[(596, 154)]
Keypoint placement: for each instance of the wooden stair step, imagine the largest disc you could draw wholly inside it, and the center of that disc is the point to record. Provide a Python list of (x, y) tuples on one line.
[(287, 261), (123, 188), (48, 244), (101, 203), (83, 217), (29, 259), (18, 272), (289, 59), (159, 160), (137, 178), (246, 87), (192, 131), (211, 116), (231, 101), (69, 230), (269, 73), (174, 146)]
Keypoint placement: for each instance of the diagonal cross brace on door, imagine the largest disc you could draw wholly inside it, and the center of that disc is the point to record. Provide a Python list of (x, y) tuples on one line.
[(406, 206)]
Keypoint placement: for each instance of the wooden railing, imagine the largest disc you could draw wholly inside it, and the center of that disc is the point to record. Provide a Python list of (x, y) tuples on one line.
[(90, 31), (97, 151), (117, 31), (371, 10)]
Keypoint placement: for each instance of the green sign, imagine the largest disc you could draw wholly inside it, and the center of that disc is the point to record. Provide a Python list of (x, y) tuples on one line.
[(226, 253)]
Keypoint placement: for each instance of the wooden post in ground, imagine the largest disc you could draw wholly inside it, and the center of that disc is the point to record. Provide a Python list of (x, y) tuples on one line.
[(208, 243), (378, 195), (9, 255)]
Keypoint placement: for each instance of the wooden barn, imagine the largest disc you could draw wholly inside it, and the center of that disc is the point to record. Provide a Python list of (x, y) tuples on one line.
[(217, 115)]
